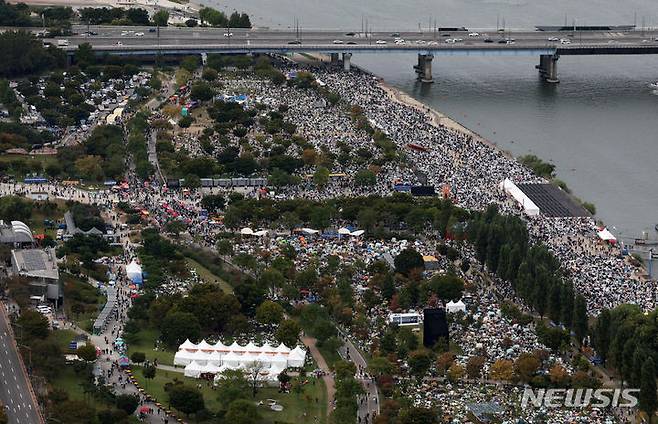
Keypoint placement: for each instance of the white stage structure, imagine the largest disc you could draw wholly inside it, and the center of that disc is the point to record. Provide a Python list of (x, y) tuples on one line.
[(528, 205)]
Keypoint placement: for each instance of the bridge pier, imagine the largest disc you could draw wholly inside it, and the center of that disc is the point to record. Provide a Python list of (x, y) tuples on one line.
[(425, 70), (334, 59), (548, 67), (347, 61)]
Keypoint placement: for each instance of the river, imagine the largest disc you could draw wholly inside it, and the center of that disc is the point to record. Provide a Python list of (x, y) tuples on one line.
[(599, 126)]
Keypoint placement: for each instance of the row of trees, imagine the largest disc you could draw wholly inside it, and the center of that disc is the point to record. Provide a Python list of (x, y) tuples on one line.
[(502, 243), (23, 54), (218, 18), (626, 339)]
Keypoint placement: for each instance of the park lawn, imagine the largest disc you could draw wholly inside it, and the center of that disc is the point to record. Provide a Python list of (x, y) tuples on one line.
[(62, 338), (145, 342), (69, 381), (206, 275), (44, 160), (295, 405)]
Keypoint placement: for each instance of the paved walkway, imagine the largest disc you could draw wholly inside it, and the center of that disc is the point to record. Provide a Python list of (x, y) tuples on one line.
[(328, 378), (369, 403)]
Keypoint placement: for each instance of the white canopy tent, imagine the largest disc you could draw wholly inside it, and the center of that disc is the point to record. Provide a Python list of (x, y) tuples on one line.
[(193, 370), (134, 272), (187, 345), (343, 231), (357, 233), (204, 345), (453, 307), (247, 231), (528, 205), (183, 357), (606, 235)]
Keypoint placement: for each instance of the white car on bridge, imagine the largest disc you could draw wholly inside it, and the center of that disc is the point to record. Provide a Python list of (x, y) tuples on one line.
[(338, 41), (474, 34), (380, 42)]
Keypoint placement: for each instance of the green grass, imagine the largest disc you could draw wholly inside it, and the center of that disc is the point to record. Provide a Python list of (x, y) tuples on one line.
[(69, 381), (145, 342), (62, 338), (206, 275), (295, 405)]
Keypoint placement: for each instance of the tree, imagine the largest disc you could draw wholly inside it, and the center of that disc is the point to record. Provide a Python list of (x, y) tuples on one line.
[(178, 326), (558, 375), (85, 55), (418, 415), (269, 313), (149, 372), (419, 363), (648, 401), (242, 411), (202, 91), (232, 385), (502, 370), (474, 366), (127, 403), (160, 18), (526, 366), (33, 325), (455, 372), (380, 365), (365, 177), (288, 333), (447, 287), (186, 399), (321, 177), (87, 352), (209, 74), (601, 336), (580, 318), (89, 167), (408, 260), (138, 357)]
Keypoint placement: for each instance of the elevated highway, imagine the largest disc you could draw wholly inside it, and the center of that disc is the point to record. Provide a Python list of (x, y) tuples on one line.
[(548, 45)]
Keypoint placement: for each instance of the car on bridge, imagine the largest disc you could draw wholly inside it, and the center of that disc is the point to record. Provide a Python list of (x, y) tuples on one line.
[(350, 34), (337, 41), (565, 41), (553, 39), (380, 42), (395, 34), (294, 42), (474, 34), (228, 34)]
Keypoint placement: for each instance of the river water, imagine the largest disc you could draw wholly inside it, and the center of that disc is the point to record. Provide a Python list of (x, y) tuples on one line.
[(599, 126)]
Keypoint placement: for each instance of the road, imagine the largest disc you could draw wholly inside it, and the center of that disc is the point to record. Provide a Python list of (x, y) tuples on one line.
[(369, 403), (15, 387), (109, 37)]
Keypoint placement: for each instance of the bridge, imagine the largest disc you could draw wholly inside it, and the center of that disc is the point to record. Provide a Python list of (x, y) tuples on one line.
[(549, 45)]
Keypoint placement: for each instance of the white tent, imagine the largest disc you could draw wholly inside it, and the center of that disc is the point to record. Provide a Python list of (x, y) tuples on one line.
[(529, 206), (188, 345), (201, 357), (193, 370), (215, 357), (453, 307), (606, 235), (235, 347), (251, 347), (231, 360), (297, 357), (357, 233), (267, 348), (210, 368), (279, 360), (310, 231), (219, 346), (282, 349), (247, 231), (134, 272), (204, 345), (183, 357), (343, 231), (260, 233)]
